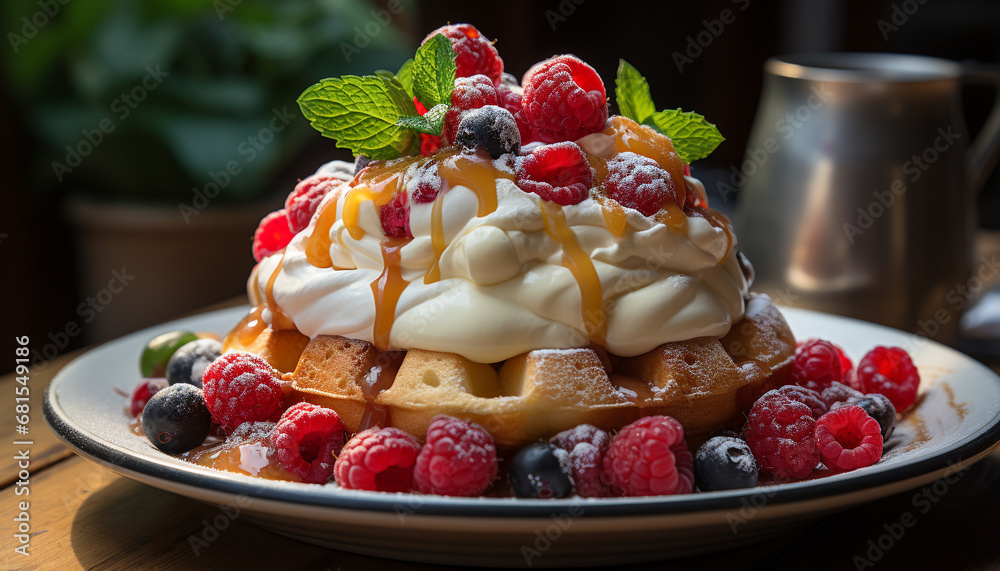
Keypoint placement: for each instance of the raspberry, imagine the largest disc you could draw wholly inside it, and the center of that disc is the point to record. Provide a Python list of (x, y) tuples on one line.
[(241, 387), (779, 431), (564, 99), (307, 438), (817, 365), (808, 397), (302, 203), (426, 183), (848, 438), (459, 459), (649, 458), (272, 235), (558, 172), (586, 446), (470, 93), (429, 144), (474, 54), (838, 393), (378, 459), (845, 362), (511, 101), (639, 182), (889, 371), (395, 217), (146, 389)]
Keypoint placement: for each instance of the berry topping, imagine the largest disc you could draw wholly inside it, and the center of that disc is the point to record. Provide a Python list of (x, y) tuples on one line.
[(559, 173), (492, 128), (817, 364), (395, 217), (639, 182), (143, 392), (379, 460), (586, 445), (307, 439), (564, 99), (470, 93), (157, 352), (848, 438), (510, 100), (176, 419), (889, 371), (537, 472), (459, 459), (649, 458), (426, 183), (302, 203), (188, 364), (880, 408), (779, 431), (241, 387), (474, 54), (808, 397), (838, 393), (272, 235), (724, 463)]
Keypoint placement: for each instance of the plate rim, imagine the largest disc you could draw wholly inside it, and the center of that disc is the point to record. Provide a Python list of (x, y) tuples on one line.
[(106, 453)]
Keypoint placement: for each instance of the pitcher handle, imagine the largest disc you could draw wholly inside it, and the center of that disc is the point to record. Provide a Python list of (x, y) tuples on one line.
[(984, 152)]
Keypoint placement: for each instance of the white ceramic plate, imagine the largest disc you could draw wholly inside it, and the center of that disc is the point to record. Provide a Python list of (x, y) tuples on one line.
[(956, 423)]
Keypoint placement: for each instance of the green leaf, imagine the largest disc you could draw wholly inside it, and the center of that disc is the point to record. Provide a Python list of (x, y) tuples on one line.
[(434, 72), (405, 76), (632, 93), (430, 123), (360, 113), (693, 137)]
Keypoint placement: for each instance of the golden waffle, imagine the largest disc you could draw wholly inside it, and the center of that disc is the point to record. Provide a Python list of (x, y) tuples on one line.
[(705, 383)]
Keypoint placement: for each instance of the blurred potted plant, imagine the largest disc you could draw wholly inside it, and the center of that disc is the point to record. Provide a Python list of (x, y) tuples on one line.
[(165, 127)]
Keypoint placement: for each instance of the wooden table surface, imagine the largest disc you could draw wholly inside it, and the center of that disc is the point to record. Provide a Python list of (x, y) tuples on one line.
[(84, 516)]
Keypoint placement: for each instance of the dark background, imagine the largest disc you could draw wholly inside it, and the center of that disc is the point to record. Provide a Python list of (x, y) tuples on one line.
[(39, 275)]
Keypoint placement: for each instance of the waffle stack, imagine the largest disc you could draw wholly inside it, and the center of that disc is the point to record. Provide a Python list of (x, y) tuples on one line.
[(705, 383)]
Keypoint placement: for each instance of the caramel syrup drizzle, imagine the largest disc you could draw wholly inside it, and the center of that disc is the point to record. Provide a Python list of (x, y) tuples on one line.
[(578, 262), (386, 289), (279, 319)]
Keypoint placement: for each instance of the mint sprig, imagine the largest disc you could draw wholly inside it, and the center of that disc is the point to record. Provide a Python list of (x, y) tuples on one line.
[(434, 72), (431, 123), (360, 113), (632, 93), (375, 115), (693, 137)]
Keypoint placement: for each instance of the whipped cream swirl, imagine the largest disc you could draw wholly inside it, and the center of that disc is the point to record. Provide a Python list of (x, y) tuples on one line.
[(504, 288)]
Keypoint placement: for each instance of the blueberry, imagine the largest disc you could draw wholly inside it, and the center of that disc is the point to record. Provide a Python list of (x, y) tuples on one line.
[(158, 351), (490, 127), (188, 363), (535, 472), (724, 463), (879, 407), (176, 418)]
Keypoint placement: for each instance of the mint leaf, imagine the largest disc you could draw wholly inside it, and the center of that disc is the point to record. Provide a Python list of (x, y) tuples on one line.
[(405, 76), (434, 72), (693, 137), (360, 114), (430, 123), (632, 93)]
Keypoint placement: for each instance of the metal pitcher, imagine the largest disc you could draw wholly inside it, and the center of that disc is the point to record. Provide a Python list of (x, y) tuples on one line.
[(859, 188)]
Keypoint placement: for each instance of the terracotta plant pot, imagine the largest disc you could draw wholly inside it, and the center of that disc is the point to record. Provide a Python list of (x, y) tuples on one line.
[(140, 265)]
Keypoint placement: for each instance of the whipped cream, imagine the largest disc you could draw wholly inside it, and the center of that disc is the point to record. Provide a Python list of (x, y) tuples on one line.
[(504, 286)]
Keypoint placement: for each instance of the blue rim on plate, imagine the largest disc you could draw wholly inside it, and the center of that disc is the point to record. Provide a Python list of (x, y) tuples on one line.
[(153, 464)]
